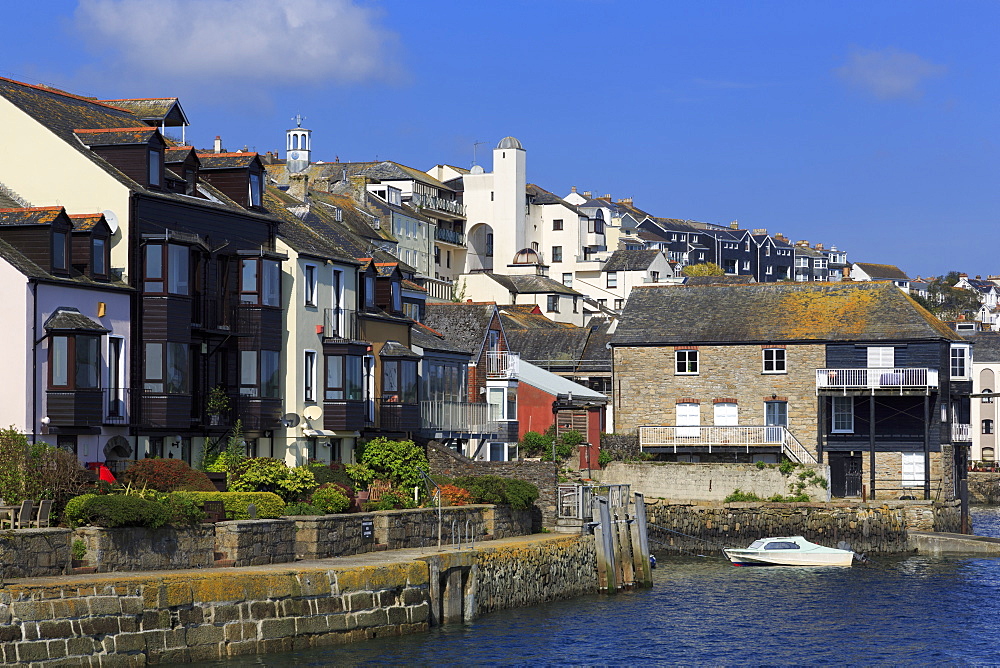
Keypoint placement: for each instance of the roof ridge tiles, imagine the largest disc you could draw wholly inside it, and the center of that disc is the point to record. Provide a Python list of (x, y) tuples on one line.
[(32, 208), (141, 127), (226, 155)]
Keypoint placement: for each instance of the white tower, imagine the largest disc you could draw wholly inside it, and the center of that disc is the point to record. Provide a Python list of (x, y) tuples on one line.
[(510, 220), (298, 143)]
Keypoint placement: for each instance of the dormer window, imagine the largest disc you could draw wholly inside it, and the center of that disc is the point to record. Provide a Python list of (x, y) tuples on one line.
[(397, 296), (255, 190), (155, 167), (369, 291), (60, 251), (99, 261)]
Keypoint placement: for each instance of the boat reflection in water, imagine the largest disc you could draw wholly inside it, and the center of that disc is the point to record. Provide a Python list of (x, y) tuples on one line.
[(788, 551)]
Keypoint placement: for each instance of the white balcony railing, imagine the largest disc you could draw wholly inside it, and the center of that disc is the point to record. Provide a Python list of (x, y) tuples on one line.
[(457, 416), (961, 433), (743, 436), (876, 379), (502, 364)]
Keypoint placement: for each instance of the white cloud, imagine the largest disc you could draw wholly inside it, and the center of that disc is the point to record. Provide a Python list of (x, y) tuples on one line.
[(889, 73), (221, 43)]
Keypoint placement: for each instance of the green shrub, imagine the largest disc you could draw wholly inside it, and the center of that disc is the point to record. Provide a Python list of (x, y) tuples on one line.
[(73, 509), (391, 500), (78, 550), (263, 474), (400, 462), (269, 505), (182, 510), (740, 496), (166, 475), (37, 471), (534, 444), (518, 494), (300, 508), (330, 498), (117, 510), (604, 458)]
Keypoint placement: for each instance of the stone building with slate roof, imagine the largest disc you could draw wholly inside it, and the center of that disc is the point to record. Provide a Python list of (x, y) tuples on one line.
[(857, 377)]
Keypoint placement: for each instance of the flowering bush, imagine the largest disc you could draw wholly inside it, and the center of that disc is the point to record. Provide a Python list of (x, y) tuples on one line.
[(330, 498), (167, 475), (455, 496)]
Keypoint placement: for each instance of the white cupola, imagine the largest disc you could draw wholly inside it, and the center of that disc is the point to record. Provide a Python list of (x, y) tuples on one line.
[(298, 145)]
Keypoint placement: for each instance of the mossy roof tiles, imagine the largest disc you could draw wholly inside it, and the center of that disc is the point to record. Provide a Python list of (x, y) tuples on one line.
[(774, 313), (886, 271)]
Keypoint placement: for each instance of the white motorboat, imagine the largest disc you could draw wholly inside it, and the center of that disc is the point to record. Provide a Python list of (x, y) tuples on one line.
[(788, 551)]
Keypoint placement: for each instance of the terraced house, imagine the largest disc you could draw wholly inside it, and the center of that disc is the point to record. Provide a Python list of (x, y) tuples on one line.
[(853, 375)]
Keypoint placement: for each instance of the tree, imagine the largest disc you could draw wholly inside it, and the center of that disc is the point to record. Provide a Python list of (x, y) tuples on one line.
[(948, 302), (703, 269)]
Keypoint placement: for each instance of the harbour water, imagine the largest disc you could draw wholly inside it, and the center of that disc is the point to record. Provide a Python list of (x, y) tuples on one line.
[(910, 610)]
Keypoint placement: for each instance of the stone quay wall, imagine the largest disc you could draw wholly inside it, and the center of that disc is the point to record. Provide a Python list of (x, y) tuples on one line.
[(709, 482), (543, 475), (134, 619), (984, 487), (34, 553), (870, 528)]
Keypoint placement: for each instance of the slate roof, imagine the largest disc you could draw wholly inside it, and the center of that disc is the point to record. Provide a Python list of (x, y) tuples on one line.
[(86, 221), (744, 279), (299, 234), (423, 336), (537, 338), (153, 109), (66, 318), (465, 325), (885, 271), (630, 260), (115, 136), (986, 347), (41, 215), (524, 317), (7, 202), (774, 313), (981, 285), (397, 349), (532, 284), (175, 154), (226, 160), (810, 252), (538, 195)]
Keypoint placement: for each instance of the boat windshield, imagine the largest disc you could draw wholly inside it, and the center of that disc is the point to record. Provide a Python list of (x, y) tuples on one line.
[(756, 545), (782, 545)]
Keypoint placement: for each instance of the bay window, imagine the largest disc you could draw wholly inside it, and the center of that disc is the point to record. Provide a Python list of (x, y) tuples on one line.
[(503, 403), (166, 269), (260, 282), (399, 381), (167, 368), (74, 362), (343, 378)]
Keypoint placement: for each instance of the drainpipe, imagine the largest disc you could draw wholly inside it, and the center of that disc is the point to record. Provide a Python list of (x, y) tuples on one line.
[(34, 359)]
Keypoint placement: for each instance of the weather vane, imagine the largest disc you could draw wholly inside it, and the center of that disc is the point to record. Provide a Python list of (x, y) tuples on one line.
[(298, 118)]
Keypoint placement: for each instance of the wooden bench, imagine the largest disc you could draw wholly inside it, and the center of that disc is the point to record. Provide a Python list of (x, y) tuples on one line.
[(215, 511), (377, 489)]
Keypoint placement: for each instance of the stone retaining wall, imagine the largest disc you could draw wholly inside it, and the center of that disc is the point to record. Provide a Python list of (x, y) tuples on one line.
[(711, 482), (870, 528), (984, 487), (255, 542), (143, 549), (323, 536), (33, 553), (184, 616)]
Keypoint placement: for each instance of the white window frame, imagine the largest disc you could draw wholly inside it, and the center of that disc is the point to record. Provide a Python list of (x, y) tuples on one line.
[(912, 469), (612, 279), (310, 276), (960, 361), (881, 357), (842, 415), (309, 359), (687, 360), (777, 358)]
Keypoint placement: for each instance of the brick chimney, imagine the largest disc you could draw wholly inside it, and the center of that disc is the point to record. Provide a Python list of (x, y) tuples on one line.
[(778, 236), (359, 187), (323, 184), (298, 185), (760, 230), (963, 275), (627, 201), (802, 243), (818, 247), (588, 194), (572, 189), (217, 148), (735, 225)]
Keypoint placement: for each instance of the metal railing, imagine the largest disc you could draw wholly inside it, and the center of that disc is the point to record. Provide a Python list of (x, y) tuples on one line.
[(340, 323), (449, 236), (116, 405), (464, 416), (502, 364), (747, 436), (876, 379), (577, 501), (438, 288), (961, 432), (438, 203)]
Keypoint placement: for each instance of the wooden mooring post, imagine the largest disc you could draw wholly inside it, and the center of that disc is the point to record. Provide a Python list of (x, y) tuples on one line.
[(622, 545)]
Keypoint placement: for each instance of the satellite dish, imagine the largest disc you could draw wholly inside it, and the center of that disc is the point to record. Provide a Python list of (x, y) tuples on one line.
[(312, 413), (290, 419), (112, 219)]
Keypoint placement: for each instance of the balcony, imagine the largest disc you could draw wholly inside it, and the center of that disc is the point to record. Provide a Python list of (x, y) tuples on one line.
[(215, 314), (341, 323), (397, 416), (116, 405), (501, 364), (438, 204), (449, 237), (456, 416), (961, 433), (899, 380), (343, 415), (705, 438), (79, 408), (258, 413), (439, 289)]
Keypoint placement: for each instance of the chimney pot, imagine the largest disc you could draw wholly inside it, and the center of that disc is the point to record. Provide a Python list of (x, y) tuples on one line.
[(573, 189), (218, 144), (734, 225), (587, 194)]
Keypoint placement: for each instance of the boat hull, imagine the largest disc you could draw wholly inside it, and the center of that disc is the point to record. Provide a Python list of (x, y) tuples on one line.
[(755, 558)]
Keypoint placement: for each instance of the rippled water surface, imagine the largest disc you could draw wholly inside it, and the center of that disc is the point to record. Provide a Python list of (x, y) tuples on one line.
[(703, 611)]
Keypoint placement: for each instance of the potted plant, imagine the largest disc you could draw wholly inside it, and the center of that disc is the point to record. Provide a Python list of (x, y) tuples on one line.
[(216, 405)]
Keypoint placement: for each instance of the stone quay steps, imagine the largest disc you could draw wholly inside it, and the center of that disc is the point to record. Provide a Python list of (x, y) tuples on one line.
[(954, 544)]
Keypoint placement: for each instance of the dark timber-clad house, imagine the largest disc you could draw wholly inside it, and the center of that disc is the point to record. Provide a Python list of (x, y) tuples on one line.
[(189, 233), (854, 375)]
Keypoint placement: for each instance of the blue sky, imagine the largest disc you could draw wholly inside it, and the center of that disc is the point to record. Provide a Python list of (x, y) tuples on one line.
[(873, 126)]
